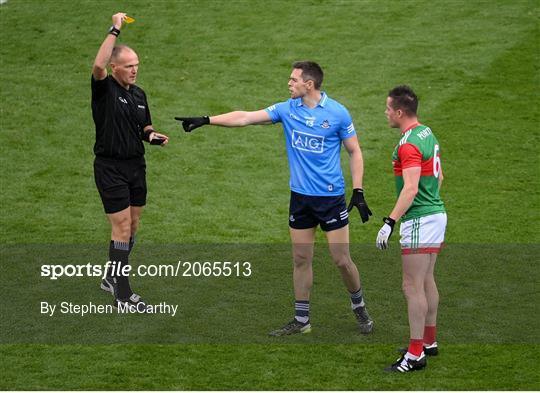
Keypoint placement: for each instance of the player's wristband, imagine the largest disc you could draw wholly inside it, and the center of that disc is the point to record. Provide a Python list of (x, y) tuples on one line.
[(114, 31), (390, 221), (358, 191)]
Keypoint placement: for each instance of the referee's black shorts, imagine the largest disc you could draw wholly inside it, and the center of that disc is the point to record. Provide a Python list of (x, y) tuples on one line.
[(121, 183), (309, 211)]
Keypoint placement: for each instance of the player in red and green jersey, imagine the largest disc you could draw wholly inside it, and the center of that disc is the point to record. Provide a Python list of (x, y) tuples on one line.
[(417, 167), (418, 144)]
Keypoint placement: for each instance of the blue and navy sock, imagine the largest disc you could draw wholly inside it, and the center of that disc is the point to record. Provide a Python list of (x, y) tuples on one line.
[(357, 300), (301, 311)]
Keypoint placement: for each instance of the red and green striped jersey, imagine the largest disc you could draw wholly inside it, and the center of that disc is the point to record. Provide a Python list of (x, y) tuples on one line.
[(418, 147)]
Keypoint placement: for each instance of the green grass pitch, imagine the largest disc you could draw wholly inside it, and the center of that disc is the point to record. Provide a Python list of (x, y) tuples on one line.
[(475, 66)]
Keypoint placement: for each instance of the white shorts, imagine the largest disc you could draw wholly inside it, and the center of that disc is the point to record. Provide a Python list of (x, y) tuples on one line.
[(423, 235)]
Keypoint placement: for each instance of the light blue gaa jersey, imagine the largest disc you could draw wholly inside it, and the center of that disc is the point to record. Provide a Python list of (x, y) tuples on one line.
[(313, 138)]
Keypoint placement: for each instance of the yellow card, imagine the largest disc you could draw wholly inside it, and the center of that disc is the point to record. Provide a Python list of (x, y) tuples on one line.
[(128, 19)]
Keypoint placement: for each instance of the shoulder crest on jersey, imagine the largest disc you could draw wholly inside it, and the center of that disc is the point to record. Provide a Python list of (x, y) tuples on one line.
[(404, 138)]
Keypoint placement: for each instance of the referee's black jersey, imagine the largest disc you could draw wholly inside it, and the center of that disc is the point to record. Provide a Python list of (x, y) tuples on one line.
[(120, 116)]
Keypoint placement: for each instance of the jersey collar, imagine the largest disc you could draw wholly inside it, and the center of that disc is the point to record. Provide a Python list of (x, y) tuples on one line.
[(411, 127), (118, 83), (321, 103)]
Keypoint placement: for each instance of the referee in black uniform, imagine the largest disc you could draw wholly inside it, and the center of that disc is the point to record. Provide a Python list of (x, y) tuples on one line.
[(122, 118)]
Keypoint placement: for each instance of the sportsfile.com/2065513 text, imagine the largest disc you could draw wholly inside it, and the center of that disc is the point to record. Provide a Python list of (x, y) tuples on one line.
[(180, 269)]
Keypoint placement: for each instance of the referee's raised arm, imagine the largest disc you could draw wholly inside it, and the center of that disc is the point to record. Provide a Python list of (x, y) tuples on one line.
[(99, 69)]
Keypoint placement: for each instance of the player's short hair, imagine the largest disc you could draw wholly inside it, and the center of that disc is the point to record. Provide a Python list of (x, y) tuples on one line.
[(117, 51), (404, 98), (310, 71)]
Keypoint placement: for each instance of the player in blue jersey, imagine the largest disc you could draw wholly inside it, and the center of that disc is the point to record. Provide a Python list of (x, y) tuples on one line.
[(315, 126)]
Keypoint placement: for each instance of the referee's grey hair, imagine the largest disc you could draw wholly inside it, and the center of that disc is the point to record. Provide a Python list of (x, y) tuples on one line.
[(117, 51)]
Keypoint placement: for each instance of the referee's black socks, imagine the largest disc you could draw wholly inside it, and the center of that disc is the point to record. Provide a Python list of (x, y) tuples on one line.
[(131, 244), (119, 253), (357, 299)]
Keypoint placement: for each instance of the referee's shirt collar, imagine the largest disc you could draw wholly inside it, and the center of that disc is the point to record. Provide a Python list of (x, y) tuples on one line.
[(321, 103)]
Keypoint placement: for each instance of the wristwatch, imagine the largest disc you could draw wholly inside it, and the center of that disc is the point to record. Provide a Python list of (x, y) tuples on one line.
[(114, 31)]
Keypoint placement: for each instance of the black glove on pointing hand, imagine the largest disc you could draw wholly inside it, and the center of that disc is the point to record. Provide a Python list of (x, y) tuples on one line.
[(190, 123), (358, 200)]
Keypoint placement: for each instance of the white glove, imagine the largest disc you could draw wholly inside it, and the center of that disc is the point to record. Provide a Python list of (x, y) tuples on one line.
[(385, 232)]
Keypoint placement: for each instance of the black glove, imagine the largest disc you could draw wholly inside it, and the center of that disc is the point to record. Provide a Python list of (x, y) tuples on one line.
[(358, 200), (190, 123)]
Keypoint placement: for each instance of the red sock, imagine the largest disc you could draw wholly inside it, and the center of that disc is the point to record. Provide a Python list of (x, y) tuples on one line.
[(416, 346), (429, 334)]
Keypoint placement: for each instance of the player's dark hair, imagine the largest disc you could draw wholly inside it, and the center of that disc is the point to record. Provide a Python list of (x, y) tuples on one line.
[(117, 50), (404, 98), (310, 71)]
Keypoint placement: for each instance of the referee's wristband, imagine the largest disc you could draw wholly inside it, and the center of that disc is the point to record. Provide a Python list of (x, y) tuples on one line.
[(146, 135), (114, 31)]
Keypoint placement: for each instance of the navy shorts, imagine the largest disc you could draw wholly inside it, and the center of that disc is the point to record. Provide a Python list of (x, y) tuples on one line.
[(309, 211), (121, 183)]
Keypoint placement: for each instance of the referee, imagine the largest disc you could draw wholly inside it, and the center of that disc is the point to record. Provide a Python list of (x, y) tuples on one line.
[(122, 118)]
